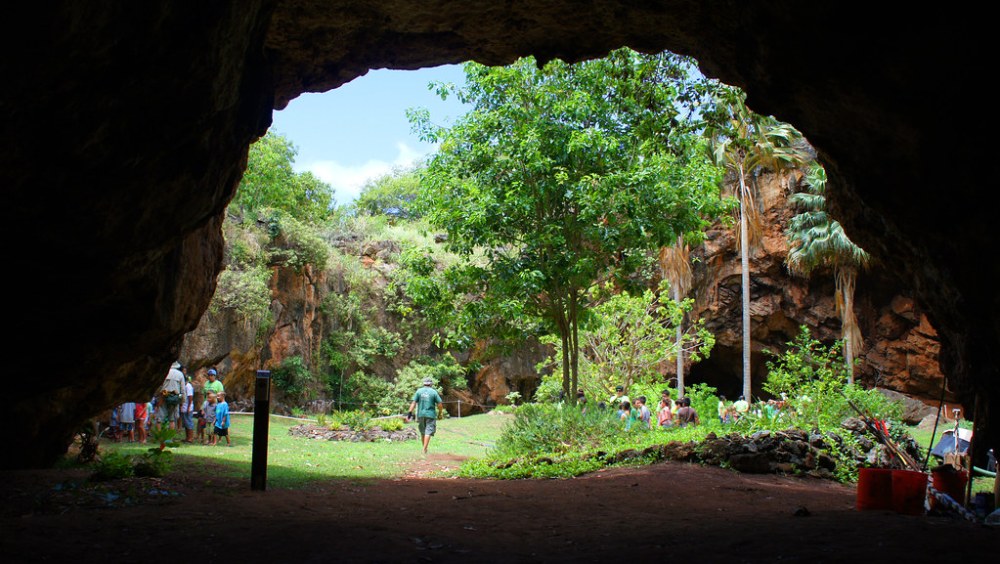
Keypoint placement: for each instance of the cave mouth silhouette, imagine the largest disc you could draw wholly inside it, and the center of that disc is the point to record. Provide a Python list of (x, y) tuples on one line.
[(127, 130)]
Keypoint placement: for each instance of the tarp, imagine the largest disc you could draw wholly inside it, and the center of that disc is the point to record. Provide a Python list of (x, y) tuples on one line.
[(947, 443)]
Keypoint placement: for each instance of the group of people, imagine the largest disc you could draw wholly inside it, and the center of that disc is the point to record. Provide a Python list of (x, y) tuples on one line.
[(174, 405), (731, 413), (669, 413)]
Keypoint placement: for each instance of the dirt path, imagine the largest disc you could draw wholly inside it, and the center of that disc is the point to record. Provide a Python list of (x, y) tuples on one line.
[(663, 511), (433, 464)]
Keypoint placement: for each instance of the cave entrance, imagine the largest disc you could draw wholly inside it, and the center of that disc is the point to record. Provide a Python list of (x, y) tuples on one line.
[(723, 370)]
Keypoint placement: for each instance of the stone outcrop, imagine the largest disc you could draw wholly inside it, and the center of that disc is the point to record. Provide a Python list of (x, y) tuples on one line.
[(126, 129), (900, 349)]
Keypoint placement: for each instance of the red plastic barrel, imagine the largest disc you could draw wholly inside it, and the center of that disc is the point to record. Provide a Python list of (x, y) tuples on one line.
[(874, 489), (947, 479), (909, 490)]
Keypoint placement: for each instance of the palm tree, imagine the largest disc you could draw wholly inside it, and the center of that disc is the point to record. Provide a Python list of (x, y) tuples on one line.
[(748, 145), (819, 241), (675, 266)]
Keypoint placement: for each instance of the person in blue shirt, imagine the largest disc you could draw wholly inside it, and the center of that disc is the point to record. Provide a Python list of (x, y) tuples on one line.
[(222, 420), (426, 402)]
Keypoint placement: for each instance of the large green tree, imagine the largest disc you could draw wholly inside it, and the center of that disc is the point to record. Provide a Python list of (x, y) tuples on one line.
[(270, 182), (748, 145), (393, 195), (818, 241), (561, 175)]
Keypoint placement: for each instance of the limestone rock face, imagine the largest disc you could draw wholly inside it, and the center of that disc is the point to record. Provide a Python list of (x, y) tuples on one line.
[(900, 349), (126, 128)]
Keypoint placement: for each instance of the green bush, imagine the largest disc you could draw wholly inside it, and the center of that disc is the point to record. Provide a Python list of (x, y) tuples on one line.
[(153, 464), (295, 244), (358, 420), (445, 372), (244, 291), (812, 379), (365, 390), (113, 466), (547, 429), (292, 376), (391, 424)]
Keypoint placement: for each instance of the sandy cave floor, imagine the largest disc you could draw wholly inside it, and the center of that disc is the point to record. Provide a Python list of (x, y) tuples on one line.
[(649, 513)]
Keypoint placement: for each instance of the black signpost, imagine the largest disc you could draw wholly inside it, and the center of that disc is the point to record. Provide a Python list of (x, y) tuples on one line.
[(261, 418)]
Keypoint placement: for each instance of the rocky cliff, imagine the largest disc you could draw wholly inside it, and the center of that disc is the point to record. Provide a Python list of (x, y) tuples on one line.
[(900, 349)]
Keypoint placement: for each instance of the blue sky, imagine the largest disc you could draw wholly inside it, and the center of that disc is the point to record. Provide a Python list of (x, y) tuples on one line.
[(359, 131)]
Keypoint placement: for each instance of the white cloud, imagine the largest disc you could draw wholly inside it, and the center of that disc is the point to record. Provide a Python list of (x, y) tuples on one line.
[(347, 180)]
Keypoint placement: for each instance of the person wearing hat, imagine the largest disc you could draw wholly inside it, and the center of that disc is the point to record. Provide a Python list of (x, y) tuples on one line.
[(618, 398), (427, 402), (169, 395), (213, 386)]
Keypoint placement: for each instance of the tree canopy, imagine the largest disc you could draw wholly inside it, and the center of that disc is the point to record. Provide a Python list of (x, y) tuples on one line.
[(393, 195), (566, 174), (270, 182)]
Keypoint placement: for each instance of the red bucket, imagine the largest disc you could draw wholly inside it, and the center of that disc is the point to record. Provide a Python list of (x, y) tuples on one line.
[(909, 491), (947, 479), (874, 489)]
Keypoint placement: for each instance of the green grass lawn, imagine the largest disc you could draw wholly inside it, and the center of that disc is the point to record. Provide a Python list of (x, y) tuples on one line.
[(295, 461)]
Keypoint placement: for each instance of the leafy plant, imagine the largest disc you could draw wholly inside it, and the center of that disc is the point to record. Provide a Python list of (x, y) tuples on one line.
[(243, 290), (155, 463), (358, 420), (391, 424), (812, 379), (163, 435), (113, 466), (292, 376)]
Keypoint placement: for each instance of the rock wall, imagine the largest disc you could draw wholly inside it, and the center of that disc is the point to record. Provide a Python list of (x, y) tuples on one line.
[(900, 351)]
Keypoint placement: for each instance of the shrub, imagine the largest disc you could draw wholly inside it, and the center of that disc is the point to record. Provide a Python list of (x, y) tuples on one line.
[(292, 376), (244, 291), (445, 372), (113, 466), (812, 378), (358, 420), (296, 244), (391, 424), (545, 429), (153, 464)]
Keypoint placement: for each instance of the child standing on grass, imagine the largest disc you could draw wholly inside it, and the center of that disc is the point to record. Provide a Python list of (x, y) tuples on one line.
[(222, 420), (644, 415), (140, 420), (113, 429), (664, 416), (207, 420), (127, 417)]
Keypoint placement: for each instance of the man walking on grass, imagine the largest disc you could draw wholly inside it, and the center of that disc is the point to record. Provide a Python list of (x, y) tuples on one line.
[(426, 402)]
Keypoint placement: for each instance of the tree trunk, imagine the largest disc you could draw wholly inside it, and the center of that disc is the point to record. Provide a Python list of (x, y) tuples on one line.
[(745, 284), (559, 312), (846, 278), (575, 349), (679, 335)]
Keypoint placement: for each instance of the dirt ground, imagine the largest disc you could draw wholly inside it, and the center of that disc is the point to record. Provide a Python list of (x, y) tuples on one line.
[(659, 512)]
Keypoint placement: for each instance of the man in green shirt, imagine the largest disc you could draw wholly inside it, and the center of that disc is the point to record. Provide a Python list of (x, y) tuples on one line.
[(426, 402), (213, 385)]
